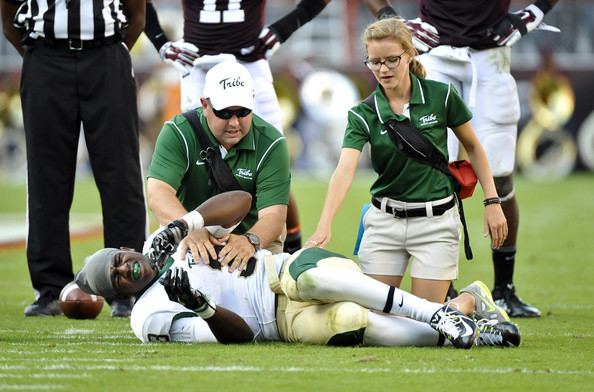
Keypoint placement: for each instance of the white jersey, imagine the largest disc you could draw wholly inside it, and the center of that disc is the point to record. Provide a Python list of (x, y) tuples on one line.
[(250, 297)]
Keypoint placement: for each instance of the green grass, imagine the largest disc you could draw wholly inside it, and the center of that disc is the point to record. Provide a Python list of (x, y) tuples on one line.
[(554, 272)]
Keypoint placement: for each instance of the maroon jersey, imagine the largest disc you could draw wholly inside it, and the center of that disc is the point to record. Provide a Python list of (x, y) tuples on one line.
[(224, 26), (464, 22)]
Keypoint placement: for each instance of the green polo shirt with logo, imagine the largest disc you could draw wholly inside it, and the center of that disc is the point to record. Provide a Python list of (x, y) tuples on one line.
[(260, 162), (433, 107)]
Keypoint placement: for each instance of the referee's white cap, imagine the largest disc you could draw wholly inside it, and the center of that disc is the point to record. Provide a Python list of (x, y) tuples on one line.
[(229, 84)]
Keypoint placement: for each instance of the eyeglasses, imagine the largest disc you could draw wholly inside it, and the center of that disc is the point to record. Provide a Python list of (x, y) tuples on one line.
[(227, 114), (390, 62)]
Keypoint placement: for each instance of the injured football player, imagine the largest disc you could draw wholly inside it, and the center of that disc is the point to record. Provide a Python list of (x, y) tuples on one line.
[(313, 296)]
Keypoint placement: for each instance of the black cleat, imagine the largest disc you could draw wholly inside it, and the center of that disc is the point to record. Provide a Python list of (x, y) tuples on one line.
[(495, 333), (122, 307), (506, 298), (43, 307), (459, 329)]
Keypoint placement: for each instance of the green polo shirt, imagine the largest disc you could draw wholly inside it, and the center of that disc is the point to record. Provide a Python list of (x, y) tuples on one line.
[(433, 107), (260, 162)]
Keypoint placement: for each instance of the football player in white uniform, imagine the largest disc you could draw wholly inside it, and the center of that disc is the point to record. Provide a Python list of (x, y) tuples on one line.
[(313, 296)]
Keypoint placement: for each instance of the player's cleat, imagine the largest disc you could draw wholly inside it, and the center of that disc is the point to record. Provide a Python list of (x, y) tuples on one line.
[(43, 307), (506, 298), (459, 329), (494, 333), (485, 307)]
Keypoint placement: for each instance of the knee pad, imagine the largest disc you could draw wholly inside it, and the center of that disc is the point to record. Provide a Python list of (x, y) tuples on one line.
[(505, 187), (346, 318)]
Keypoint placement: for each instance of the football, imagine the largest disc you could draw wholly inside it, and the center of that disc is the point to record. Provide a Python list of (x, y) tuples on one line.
[(76, 304)]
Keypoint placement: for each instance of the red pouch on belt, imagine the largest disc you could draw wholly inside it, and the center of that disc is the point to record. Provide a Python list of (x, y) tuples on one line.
[(465, 176)]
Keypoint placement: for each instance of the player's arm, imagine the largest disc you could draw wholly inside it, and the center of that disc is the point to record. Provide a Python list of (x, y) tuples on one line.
[(278, 32), (225, 325), (180, 54), (152, 28), (225, 209), (12, 34), (517, 24), (135, 11)]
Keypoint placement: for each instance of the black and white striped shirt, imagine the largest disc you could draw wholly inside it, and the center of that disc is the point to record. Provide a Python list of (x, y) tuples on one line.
[(70, 19)]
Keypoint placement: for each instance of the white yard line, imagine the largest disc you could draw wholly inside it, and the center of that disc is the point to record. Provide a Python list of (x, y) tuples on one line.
[(292, 369), (30, 387)]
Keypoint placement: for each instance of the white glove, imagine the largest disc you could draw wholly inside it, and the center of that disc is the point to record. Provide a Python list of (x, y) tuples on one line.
[(180, 54), (425, 35), (269, 42), (517, 24)]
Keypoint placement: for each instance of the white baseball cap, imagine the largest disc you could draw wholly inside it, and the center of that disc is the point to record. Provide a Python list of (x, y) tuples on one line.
[(229, 84)]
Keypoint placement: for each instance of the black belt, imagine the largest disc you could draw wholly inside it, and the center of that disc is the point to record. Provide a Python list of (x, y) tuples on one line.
[(78, 44), (414, 212)]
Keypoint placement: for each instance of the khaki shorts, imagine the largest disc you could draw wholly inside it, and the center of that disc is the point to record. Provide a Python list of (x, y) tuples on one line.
[(312, 322), (429, 244)]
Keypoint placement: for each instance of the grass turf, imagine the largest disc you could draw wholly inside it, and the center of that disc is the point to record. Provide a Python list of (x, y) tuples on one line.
[(556, 252)]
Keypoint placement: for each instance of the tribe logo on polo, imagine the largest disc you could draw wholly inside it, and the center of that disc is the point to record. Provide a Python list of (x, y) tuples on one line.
[(244, 173), (231, 82), (428, 119)]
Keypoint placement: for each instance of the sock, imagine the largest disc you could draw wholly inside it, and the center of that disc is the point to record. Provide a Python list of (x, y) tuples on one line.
[(293, 241), (327, 283), (503, 265), (384, 330)]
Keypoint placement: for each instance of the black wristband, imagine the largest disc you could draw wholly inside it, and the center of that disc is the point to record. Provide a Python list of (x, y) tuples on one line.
[(491, 200), (153, 29), (305, 11), (386, 12), (544, 5)]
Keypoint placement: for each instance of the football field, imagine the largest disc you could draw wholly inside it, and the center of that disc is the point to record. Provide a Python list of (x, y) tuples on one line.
[(555, 271)]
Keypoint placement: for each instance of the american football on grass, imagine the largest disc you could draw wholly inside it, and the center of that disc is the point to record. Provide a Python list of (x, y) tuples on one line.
[(76, 304)]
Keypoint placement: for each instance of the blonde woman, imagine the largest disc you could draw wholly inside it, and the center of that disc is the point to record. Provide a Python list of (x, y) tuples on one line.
[(413, 218)]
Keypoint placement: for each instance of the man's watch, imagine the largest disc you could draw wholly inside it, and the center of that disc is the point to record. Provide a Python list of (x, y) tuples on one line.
[(254, 240)]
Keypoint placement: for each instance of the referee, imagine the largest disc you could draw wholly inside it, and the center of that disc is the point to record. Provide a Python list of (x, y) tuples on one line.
[(77, 74)]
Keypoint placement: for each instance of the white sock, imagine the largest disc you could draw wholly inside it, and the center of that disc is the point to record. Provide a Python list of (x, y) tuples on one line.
[(386, 330), (334, 284), (194, 220)]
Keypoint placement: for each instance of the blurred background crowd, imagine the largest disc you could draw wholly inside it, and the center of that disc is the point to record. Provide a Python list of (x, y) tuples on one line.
[(319, 74)]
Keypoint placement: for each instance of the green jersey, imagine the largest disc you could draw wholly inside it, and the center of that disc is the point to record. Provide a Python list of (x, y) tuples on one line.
[(259, 162), (433, 107)]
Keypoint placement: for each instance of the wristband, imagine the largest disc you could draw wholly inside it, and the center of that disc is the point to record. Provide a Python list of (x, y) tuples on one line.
[(491, 200), (153, 28), (386, 12), (194, 220), (207, 310)]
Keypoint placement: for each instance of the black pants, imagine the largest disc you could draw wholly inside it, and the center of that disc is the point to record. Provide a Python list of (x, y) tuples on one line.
[(60, 89)]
